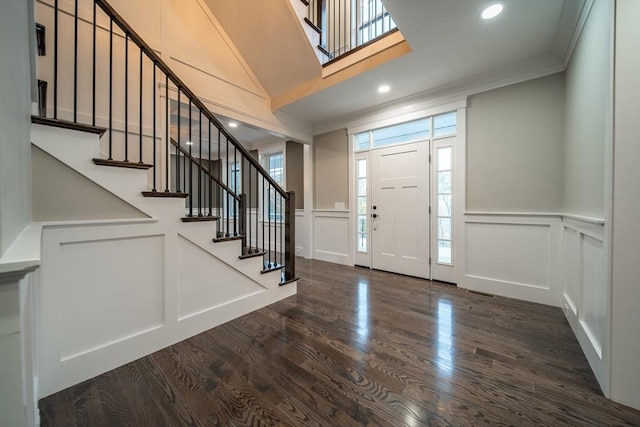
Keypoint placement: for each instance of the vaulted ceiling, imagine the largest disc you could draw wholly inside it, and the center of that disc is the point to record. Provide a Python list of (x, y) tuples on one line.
[(452, 49)]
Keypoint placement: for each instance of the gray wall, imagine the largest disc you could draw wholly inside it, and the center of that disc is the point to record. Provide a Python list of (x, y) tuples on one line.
[(515, 147), (16, 23), (62, 194), (587, 101), (295, 171), (331, 169)]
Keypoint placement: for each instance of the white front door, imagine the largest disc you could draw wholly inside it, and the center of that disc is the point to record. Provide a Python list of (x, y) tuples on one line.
[(400, 209)]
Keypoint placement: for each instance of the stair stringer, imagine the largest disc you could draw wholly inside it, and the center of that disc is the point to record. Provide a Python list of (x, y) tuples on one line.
[(110, 290)]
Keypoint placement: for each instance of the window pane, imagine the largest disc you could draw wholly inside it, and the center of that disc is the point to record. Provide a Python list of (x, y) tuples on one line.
[(275, 167), (444, 124), (362, 168), (402, 132), (444, 159), (362, 141), (362, 223), (444, 182), (362, 205), (444, 228), (444, 205), (362, 187), (444, 251), (362, 242)]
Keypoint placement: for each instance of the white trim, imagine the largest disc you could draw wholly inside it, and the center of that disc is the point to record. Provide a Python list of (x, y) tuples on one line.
[(419, 111), (582, 19), (583, 218)]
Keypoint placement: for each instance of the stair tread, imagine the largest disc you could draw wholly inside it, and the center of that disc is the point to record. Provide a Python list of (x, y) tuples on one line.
[(312, 25), (286, 282), (199, 218), (65, 124), (169, 194), (273, 267), (121, 164), (252, 255), (227, 239)]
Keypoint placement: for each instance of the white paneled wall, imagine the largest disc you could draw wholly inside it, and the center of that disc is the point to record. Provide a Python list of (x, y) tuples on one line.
[(513, 255), (585, 296), (332, 234)]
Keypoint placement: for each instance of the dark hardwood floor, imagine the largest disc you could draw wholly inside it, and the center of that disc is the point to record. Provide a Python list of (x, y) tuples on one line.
[(353, 348)]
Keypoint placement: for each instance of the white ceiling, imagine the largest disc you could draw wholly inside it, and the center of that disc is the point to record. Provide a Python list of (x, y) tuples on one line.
[(452, 46)]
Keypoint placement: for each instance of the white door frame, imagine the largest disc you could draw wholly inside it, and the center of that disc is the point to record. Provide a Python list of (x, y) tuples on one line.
[(418, 111)]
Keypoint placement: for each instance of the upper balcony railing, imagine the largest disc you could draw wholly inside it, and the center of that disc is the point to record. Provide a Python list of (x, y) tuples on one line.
[(348, 24)]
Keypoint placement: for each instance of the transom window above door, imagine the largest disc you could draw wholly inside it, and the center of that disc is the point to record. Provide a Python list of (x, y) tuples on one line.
[(411, 131)]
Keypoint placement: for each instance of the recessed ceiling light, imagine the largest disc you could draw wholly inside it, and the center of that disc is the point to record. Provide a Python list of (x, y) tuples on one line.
[(233, 124), (383, 89), (189, 143), (491, 11)]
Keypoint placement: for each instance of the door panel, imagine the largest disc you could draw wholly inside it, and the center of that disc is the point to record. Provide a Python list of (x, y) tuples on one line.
[(400, 193)]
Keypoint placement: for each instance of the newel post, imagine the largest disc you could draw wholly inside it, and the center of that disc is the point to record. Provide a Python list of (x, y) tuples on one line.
[(242, 220), (290, 237)]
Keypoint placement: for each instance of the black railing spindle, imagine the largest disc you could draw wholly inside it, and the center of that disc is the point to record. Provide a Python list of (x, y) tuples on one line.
[(93, 101), (154, 129), (75, 62), (55, 59), (210, 181), (179, 120), (190, 144), (140, 121), (200, 160), (111, 89), (126, 97), (166, 138)]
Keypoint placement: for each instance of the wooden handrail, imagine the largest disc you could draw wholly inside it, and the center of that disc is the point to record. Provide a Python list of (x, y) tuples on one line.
[(133, 36), (185, 152)]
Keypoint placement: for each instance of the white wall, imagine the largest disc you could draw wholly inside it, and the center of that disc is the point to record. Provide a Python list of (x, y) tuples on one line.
[(515, 147), (15, 121), (587, 108), (625, 277)]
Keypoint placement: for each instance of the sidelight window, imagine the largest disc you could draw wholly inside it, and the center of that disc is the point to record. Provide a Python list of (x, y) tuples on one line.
[(361, 201)]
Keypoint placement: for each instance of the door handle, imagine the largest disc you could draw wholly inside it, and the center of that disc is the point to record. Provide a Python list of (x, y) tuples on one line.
[(374, 216)]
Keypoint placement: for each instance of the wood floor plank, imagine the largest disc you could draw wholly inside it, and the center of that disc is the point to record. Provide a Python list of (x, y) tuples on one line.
[(357, 347)]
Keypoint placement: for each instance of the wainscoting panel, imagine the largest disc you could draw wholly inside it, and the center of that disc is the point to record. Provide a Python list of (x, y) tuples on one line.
[(332, 236), (585, 290), (300, 226), (205, 282), (515, 256), (100, 275)]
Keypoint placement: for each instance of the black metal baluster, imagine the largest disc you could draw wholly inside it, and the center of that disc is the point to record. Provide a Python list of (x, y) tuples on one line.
[(55, 59), (236, 175), (178, 150), (200, 163), (263, 217), (210, 180), (249, 205), (269, 227), (126, 97), (219, 190), (228, 182), (93, 101), (154, 128), (257, 208), (166, 139), (190, 144), (282, 230), (110, 89), (140, 127), (75, 63), (220, 209)]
